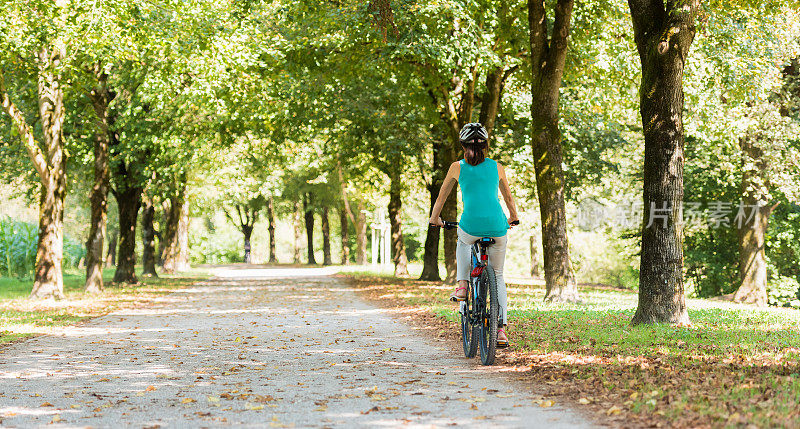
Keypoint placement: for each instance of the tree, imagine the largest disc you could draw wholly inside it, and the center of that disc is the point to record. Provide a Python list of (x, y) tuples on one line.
[(246, 217), (663, 32), (100, 97), (173, 250), (45, 55), (308, 213), (273, 258), (548, 57), (148, 239)]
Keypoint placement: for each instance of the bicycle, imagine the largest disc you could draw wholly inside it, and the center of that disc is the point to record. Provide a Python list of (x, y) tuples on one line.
[(480, 310)]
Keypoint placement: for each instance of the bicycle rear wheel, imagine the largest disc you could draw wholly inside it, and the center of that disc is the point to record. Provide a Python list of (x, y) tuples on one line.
[(469, 330), (490, 310)]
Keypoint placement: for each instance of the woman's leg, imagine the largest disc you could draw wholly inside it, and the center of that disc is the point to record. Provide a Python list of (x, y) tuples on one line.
[(497, 256), (463, 255)]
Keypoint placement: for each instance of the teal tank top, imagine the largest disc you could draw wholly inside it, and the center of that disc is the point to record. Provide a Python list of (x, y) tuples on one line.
[(483, 216)]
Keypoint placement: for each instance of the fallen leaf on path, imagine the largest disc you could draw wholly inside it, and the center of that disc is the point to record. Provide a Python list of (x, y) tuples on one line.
[(614, 410), (188, 400), (584, 401)]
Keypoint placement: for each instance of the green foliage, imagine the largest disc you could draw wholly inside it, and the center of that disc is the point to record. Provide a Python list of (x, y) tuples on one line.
[(18, 241), (711, 261), (214, 249), (74, 252), (784, 292), (783, 240), (17, 247), (414, 249)]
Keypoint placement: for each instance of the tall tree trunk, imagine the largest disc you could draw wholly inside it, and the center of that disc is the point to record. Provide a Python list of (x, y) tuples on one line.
[(752, 232), (247, 231), (48, 279), (309, 217), (343, 229), (534, 258), (171, 239), (128, 201), (361, 235), (453, 115), (148, 239), (100, 97), (326, 238), (182, 262), (430, 259), (111, 256), (490, 106), (297, 233), (273, 258), (663, 37), (344, 213), (548, 57), (50, 164), (753, 259), (396, 224)]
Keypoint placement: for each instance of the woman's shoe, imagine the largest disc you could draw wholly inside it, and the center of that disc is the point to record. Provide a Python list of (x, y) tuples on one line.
[(460, 294), (502, 339)]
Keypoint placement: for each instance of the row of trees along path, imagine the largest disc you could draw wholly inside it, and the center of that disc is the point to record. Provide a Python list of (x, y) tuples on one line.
[(234, 98)]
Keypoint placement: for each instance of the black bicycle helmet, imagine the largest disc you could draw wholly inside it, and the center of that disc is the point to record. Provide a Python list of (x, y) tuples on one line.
[(473, 132)]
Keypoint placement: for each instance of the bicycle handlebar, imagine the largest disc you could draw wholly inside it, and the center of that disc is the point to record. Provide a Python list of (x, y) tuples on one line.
[(447, 225), (453, 225)]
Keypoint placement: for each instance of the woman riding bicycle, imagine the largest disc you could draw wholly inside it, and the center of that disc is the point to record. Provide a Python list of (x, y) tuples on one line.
[(479, 178)]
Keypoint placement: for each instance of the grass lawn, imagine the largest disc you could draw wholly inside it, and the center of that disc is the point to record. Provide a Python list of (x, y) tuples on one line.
[(21, 317), (735, 367)]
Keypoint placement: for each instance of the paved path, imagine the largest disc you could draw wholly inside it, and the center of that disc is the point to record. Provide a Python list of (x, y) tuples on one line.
[(257, 348)]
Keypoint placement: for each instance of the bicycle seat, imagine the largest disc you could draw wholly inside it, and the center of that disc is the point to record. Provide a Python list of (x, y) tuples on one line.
[(485, 241)]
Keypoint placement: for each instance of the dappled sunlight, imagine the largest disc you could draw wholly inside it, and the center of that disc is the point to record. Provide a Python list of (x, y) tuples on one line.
[(271, 273), (14, 411), (225, 349), (743, 354)]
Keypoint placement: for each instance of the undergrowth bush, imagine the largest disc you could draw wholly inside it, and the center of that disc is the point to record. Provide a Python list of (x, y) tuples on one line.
[(214, 249), (17, 247), (783, 292), (18, 242)]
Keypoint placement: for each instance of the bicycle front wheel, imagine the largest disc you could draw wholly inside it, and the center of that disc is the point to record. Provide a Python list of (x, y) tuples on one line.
[(469, 331), (490, 310)]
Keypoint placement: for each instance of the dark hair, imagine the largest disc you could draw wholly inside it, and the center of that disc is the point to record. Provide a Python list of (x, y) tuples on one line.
[(474, 152)]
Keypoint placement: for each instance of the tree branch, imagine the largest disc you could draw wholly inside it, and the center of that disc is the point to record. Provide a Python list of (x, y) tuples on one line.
[(537, 20), (343, 185), (24, 130), (557, 54)]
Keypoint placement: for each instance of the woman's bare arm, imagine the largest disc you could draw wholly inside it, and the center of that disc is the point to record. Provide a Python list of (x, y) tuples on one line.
[(505, 189), (447, 186)]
